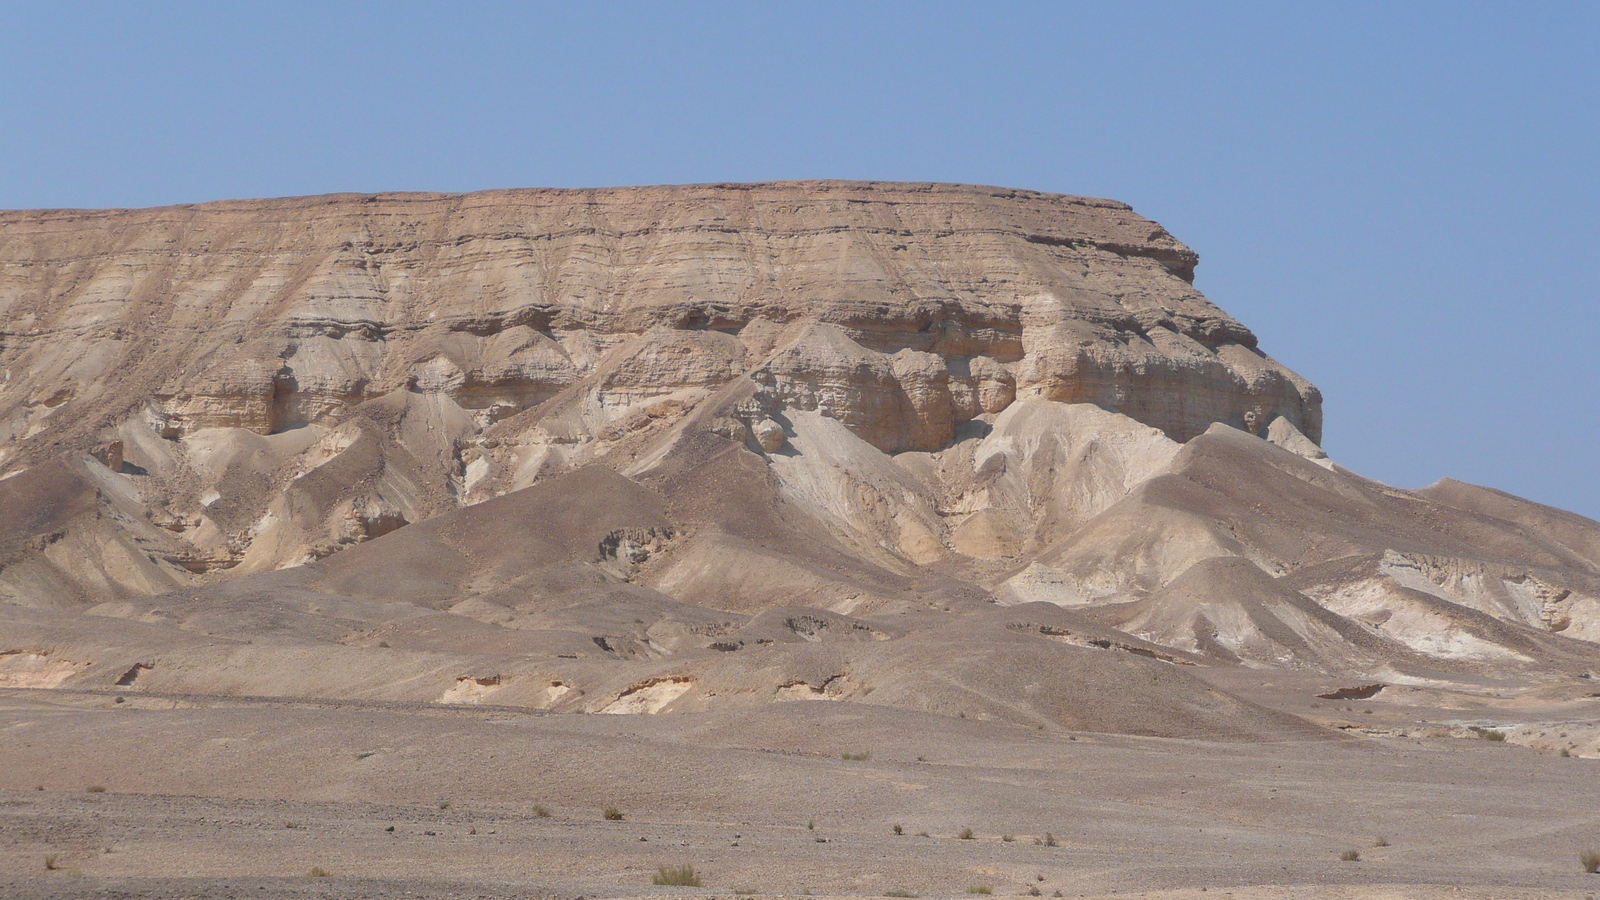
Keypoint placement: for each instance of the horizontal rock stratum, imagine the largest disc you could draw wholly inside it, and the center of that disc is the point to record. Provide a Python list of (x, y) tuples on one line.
[(961, 450), (901, 310)]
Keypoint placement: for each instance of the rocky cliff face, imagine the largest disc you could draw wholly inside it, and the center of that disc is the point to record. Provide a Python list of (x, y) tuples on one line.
[(901, 310)]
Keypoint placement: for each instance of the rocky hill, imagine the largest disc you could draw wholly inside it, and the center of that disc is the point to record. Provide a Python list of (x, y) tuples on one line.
[(966, 450)]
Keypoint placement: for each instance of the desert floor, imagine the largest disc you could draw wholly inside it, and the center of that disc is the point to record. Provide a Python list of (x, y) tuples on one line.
[(188, 796)]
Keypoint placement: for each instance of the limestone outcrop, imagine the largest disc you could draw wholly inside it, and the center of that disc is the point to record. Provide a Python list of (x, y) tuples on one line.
[(902, 309)]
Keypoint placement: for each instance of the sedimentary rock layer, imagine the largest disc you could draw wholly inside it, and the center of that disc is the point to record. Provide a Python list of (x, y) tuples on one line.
[(898, 309)]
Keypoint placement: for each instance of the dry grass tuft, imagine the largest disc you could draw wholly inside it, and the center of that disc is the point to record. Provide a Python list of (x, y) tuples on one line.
[(855, 757), (980, 889), (1590, 860), (542, 811), (899, 829), (966, 834), (1350, 856), (612, 814), (52, 862), (96, 789), (1381, 841), (319, 872), (1049, 840), (677, 876)]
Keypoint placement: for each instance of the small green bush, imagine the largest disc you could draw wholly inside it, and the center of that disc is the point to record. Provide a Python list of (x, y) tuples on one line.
[(980, 889), (677, 876), (856, 757), (899, 829)]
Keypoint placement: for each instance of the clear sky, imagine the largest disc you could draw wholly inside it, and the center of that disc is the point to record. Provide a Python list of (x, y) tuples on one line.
[(1400, 199)]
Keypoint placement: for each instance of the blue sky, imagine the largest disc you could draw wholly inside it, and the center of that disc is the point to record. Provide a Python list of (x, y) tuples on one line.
[(1401, 199)]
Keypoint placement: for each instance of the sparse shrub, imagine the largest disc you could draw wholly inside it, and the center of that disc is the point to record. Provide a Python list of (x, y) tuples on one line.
[(980, 889), (612, 814), (898, 829), (1033, 891), (1590, 860), (319, 872), (677, 876), (542, 811), (1008, 838), (1350, 856), (96, 789), (856, 757), (291, 824), (1564, 754), (444, 804), (967, 835), (922, 834), (898, 892), (1056, 894), (1381, 841), (383, 644), (1049, 840), (811, 824), (745, 892), (52, 862), (1490, 734)]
